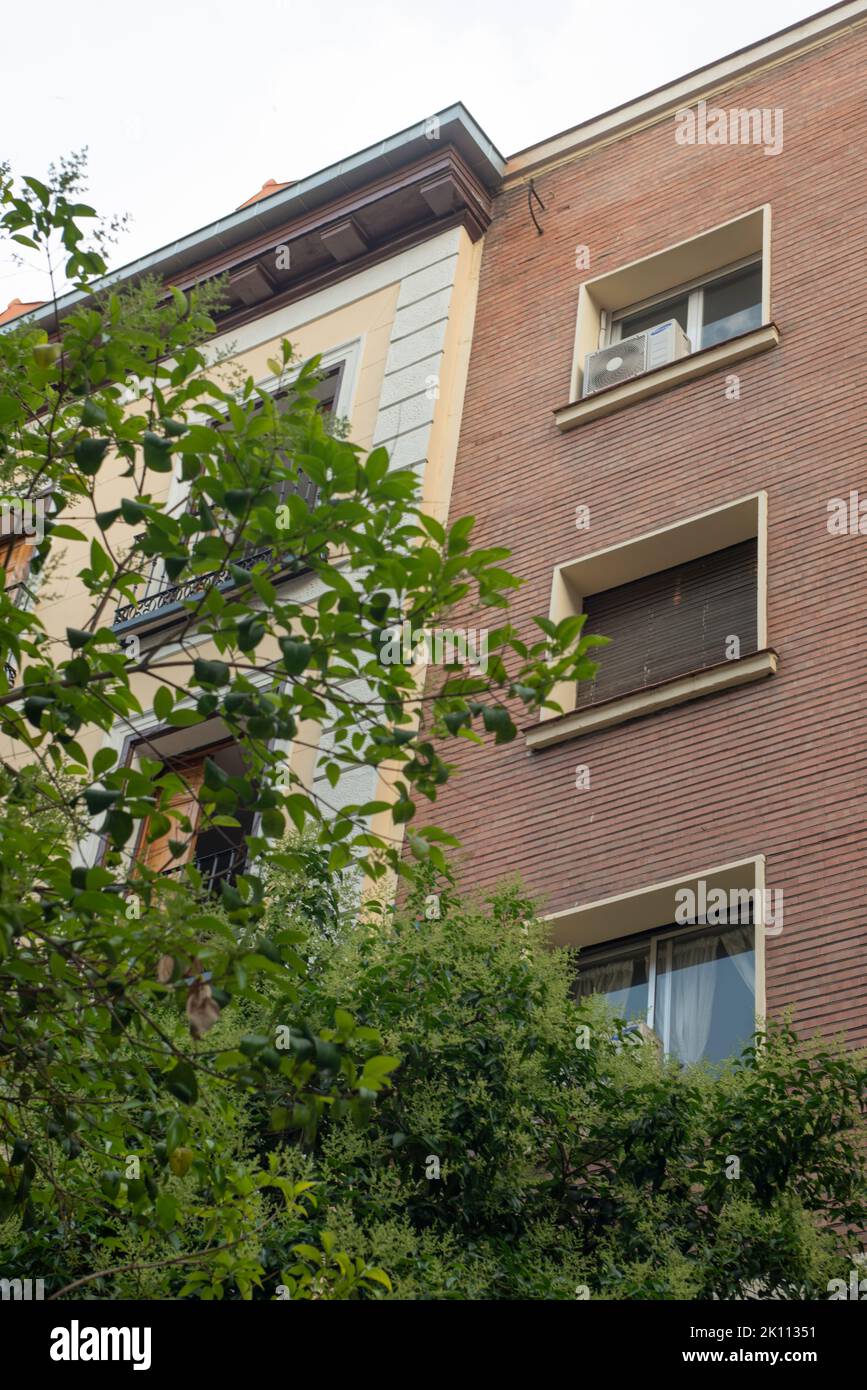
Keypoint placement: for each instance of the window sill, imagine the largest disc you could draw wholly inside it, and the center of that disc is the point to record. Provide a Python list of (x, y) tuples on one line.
[(725, 676), (652, 383)]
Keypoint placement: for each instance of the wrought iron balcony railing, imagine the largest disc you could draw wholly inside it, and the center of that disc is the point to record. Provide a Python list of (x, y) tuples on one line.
[(222, 866), (168, 599), (17, 593)]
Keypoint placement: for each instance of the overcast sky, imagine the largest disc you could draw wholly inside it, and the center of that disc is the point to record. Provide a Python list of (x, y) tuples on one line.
[(187, 108)]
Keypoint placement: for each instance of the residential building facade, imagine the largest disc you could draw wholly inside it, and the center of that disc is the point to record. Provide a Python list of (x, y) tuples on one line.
[(665, 422), (371, 264), (634, 354)]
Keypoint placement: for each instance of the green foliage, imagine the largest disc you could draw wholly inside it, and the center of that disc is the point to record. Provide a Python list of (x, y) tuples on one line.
[(119, 986), (508, 1160), (242, 1098)]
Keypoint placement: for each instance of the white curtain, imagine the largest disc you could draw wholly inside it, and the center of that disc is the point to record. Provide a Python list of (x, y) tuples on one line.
[(693, 985), (612, 978), (740, 948)]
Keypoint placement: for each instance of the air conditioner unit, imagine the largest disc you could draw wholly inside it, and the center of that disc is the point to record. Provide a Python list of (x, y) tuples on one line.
[(634, 356), (636, 1034)]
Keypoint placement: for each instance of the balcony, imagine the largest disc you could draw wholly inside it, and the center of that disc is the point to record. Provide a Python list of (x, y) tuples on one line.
[(165, 604), (17, 593), (162, 605), (222, 866)]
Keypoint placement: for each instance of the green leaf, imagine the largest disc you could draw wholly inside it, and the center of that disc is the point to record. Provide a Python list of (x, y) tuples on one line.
[(300, 807), (34, 707), (308, 1252), (377, 465), (118, 826), (92, 413), (327, 1055), (99, 799), (42, 192), (570, 628), (250, 634), (403, 810), (182, 1083), (184, 718), (459, 534), (60, 531), (498, 721), (166, 1208), (273, 824), (296, 655), (376, 1069), (132, 512), (238, 500), (157, 452), (211, 672), (89, 454), (176, 1132), (433, 528), (103, 760), (164, 701)]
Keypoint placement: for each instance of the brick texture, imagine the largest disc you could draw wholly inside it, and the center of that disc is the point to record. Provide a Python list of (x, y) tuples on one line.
[(778, 768)]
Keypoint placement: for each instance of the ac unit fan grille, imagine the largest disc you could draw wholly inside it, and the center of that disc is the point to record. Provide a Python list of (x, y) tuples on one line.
[(620, 362)]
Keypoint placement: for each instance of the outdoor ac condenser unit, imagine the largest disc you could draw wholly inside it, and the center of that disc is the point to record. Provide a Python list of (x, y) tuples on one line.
[(633, 356), (637, 1033)]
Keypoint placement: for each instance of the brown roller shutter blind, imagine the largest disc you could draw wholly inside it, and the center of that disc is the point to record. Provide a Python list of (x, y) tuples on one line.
[(671, 622)]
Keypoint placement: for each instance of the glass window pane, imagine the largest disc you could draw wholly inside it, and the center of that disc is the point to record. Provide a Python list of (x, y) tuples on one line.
[(620, 978), (705, 994), (660, 313), (732, 306)]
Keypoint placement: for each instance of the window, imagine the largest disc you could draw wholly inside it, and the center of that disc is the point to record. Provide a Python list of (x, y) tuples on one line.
[(716, 286), (327, 389), (717, 308), (218, 852), (685, 956), (326, 392), (161, 600), (731, 305), (676, 620), (677, 308), (670, 601), (695, 989)]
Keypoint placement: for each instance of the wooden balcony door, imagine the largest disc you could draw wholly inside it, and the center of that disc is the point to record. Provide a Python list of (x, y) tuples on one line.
[(156, 854)]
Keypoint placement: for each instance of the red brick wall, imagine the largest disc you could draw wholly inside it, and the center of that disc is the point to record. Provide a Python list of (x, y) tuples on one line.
[(778, 768)]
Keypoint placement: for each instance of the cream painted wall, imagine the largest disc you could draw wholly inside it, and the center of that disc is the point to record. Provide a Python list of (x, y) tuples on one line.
[(369, 319)]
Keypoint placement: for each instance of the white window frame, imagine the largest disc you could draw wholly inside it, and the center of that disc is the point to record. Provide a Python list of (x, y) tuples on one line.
[(611, 327)]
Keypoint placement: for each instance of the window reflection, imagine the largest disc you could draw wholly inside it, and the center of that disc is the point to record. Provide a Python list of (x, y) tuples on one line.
[(732, 306), (660, 313), (696, 989)]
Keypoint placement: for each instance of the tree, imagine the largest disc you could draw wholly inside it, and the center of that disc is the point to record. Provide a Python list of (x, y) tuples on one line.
[(114, 978), (527, 1150)]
